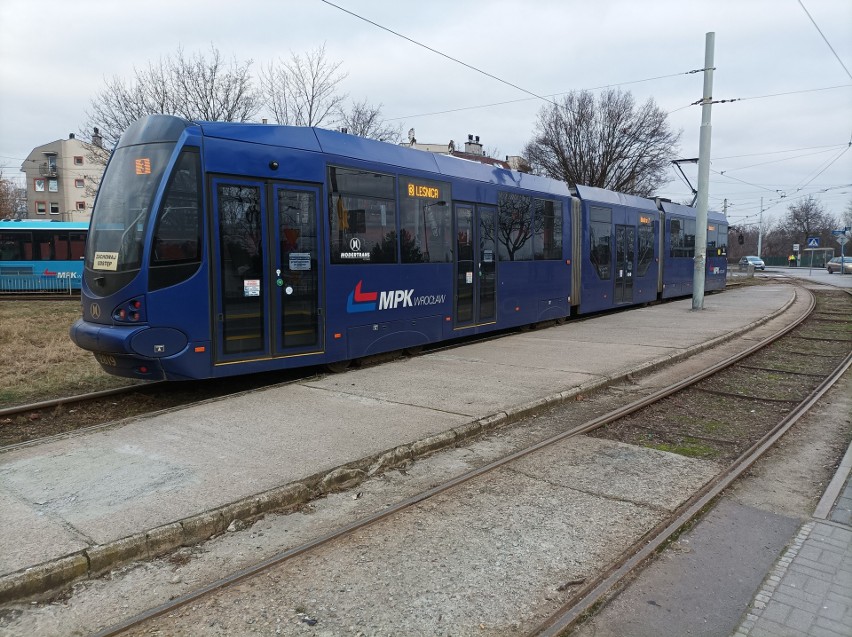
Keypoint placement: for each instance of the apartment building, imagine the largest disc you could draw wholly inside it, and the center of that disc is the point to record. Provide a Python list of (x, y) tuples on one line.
[(62, 179)]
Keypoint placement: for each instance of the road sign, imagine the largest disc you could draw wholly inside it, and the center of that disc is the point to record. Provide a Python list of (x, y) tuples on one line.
[(837, 233), (813, 242), (795, 247), (843, 239)]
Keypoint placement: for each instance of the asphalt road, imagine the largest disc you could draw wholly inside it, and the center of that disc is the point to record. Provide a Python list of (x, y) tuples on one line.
[(817, 275)]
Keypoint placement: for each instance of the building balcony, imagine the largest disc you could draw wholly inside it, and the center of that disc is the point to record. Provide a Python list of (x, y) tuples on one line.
[(47, 169)]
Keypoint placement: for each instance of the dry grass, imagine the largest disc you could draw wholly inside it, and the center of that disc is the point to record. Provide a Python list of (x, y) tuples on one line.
[(37, 358)]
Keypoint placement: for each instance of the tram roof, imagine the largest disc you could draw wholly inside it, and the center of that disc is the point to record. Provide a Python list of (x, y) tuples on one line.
[(669, 207), (38, 224), (339, 144), (601, 195)]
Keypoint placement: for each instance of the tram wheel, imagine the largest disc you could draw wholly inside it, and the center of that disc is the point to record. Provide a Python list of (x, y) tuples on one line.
[(338, 367)]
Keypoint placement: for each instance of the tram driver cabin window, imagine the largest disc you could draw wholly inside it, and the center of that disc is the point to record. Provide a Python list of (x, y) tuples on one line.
[(362, 216)]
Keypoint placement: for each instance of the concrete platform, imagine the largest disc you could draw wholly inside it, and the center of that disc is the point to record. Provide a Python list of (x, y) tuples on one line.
[(76, 507)]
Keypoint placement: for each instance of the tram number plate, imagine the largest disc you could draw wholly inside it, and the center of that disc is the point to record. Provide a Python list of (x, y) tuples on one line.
[(106, 359)]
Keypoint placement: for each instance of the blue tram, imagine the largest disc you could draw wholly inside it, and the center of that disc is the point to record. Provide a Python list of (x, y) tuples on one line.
[(219, 249), (41, 256), (678, 248)]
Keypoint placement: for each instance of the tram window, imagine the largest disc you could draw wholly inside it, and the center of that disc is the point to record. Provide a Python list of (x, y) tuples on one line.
[(60, 246), (177, 234), (646, 248), (711, 239), (176, 249), (675, 237), (600, 240), (42, 246), (362, 216), (78, 244), (514, 227), (547, 243), (426, 221), (722, 245), (682, 238), (600, 251), (689, 237), (12, 245)]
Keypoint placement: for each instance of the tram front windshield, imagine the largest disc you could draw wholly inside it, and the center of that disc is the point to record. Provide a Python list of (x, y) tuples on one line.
[(123, 207)]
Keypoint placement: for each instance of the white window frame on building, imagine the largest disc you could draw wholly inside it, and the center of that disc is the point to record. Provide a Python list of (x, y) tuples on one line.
[(38, 185), (79, 183), (53, 185), (54, 208), (41, 207)]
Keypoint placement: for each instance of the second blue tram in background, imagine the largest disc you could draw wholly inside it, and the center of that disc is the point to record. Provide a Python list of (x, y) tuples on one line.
[(41, 256), (218, 249)]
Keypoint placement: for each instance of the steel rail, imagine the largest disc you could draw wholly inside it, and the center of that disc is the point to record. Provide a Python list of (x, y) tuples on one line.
[(650, 543), (376, 517), (595, 592), (70, 400)]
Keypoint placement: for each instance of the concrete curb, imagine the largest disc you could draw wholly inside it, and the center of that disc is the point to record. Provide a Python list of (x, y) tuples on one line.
[(49, 577)]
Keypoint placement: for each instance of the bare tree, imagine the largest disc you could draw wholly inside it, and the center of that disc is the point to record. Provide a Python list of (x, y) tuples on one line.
[(302, 91), (807, 219), (608, 142), (846, 216), (12, 199), (196, 87), (365, 120)]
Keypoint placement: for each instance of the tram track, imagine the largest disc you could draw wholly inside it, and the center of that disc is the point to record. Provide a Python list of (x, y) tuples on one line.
[(588, 592), (46, 420)]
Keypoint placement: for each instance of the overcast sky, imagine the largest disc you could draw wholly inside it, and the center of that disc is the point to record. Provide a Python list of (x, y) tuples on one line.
[(56, 54)]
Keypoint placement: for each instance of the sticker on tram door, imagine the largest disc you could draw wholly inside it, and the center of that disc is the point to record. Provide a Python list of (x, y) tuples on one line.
[(251, 287)]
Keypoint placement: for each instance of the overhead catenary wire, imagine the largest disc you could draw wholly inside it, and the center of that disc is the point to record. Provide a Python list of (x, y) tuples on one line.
[(778, 152), (528, 99), (801, 4), (826, 167), (778, 161), (436, 51), (760, 97)]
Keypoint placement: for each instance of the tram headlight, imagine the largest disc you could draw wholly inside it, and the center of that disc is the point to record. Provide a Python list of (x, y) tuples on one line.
[(131, 311)]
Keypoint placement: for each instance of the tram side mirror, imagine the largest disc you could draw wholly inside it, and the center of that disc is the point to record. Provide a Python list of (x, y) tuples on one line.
[(740, 239)]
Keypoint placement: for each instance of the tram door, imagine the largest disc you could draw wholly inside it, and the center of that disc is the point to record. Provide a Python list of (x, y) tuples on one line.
[(266, 270), (296, 262), (625, 263), (476, 265)]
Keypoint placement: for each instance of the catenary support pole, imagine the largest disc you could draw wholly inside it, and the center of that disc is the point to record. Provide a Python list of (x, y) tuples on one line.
[(700, 261), (760, 230)]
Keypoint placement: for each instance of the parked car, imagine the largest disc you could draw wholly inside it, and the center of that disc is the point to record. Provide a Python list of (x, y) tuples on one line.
[(755, 262), (834, 265)]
